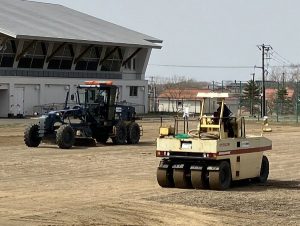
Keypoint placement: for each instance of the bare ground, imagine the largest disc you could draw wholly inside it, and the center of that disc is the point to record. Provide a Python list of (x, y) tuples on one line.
[(116, 185)]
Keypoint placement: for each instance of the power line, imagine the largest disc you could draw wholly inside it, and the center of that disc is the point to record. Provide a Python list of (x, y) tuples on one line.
[(269, 50), (289, 62), (221, 66), (278, 61), (201, 66)]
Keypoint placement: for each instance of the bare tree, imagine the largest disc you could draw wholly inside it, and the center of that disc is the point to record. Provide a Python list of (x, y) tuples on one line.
[(278, 75), (173, 89), (177, 88), (295, 73)]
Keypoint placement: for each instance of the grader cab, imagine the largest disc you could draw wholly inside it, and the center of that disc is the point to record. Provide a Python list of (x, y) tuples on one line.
[(214, 154)]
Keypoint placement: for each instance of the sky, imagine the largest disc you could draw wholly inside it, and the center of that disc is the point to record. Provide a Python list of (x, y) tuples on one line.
[(200, 35)]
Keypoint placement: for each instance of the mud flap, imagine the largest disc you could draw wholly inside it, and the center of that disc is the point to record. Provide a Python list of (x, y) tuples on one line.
[(199, 168), (213, 168), (164, 166), (178, 166)]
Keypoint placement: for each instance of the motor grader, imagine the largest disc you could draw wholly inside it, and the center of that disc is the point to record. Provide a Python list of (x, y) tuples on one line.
[(95, 115), (214, 154)]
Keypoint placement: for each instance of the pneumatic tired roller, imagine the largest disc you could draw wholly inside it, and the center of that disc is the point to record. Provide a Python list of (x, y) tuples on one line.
[(213, 155)]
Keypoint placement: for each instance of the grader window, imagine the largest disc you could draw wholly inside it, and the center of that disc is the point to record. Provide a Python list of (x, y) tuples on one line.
[(90, 96), (81, 96), (102, 97)]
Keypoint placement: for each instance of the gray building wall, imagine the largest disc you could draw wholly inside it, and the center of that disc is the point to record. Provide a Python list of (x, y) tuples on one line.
[(23, 89), (42, 91)]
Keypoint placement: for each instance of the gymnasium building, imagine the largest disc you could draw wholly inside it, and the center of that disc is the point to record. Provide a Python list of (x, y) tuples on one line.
[(46, 50)]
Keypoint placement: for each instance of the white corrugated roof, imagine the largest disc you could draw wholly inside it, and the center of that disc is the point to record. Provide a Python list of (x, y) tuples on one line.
[(213, 95), (44, 21)]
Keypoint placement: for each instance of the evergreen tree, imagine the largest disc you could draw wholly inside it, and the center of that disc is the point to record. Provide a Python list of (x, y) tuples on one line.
[(284, 103), (251, 97)]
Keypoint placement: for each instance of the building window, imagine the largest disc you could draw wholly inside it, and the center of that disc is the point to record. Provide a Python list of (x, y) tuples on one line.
[(133, 64), (90, 60), (63, 59), (133, 92), (130, 65), (114, 60), (7, 53), (35, 55)]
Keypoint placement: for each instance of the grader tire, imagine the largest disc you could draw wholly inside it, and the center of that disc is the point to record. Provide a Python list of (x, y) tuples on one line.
[(121, 134), (264, 170), (165, 177), (31, 136), (65, 137), (220, 180), (199, 179), (133, 133), (182, 178)]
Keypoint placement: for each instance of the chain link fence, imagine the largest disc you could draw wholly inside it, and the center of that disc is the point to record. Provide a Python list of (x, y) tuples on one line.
[(282, 102), (46, 108)]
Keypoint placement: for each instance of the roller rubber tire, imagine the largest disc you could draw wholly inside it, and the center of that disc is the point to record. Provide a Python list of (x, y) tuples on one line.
[(165, 177), (199, 179), (220, 180), (182, 178), (264, 170)]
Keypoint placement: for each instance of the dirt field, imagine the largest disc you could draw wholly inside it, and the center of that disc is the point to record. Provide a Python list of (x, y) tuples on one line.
[(116, 185)]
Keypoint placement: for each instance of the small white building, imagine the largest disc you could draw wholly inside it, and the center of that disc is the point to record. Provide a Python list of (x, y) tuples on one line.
[(46, 50), (176, 100), (180, 100)]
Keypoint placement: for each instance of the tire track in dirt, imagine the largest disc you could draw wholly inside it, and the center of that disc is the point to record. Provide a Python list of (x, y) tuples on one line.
[(116, 185)]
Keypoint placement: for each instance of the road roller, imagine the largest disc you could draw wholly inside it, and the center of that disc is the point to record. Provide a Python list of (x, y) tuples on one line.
[(215, 153)]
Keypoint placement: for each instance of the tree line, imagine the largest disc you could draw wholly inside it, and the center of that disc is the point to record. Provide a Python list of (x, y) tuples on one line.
[(281, 85)]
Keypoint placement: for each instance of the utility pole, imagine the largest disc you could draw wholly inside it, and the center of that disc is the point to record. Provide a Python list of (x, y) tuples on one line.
[(264, 49), (252, 95), (152, 96), (283, 90)]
